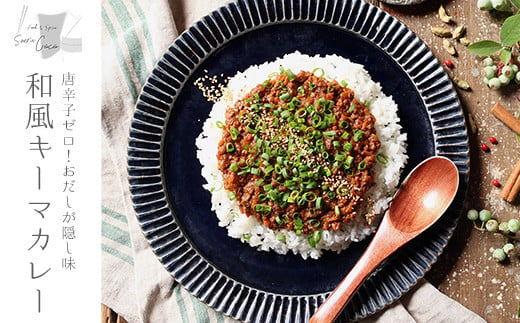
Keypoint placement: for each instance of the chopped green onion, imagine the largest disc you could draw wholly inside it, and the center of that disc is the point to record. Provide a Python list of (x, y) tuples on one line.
[(262, 208), (246, 236), (230, 147), (347, 147), (267, 84), (233, 132), (342, 190), (319, 72), (285, 96), (290, 75), (344, 83), (231, 196), (336, 210), (219, 124), (348, 162), (382, 159), (319, 203), (362, 165), (234, 167), (352, 107), (358, 135), (280, 237), (314, 239), (314, 223)]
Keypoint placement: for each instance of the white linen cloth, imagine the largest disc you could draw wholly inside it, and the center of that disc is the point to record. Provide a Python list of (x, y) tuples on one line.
[(134, 283)]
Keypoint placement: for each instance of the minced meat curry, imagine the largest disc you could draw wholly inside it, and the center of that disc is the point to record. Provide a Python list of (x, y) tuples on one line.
[(297, 153)]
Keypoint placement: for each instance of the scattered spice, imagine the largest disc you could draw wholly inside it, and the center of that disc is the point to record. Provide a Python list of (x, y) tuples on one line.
[(443, 15), (441, 31), (461, 84), (512, 186), (506, 117), (448, 46), (464, 41), (459, 31)]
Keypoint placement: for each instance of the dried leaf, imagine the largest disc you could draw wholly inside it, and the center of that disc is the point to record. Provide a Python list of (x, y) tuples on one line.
[(464, 41), (459, 32), (441, 31), (460, 83), (443, 15), (448, 46)]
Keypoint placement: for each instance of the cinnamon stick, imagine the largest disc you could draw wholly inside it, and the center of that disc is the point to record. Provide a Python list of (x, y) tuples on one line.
[(512, 186), (506, 117)]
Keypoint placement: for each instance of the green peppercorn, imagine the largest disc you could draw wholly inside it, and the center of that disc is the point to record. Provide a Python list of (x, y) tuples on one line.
[(489, 72), (484, 215), (508, 72), (508, 248), (492, 225), (517, 78), (499, 255), (503, 227), (485, 5), (488, 61), (495, 83), (513, 225), (500, 5), (504, 79), (472, 215), (514, 67)]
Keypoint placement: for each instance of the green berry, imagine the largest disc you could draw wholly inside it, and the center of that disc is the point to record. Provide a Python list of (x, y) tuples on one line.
[(513, 225), (489, 72), (508, 248), (500, 5), (495, 83), (488, 61), (484, 215), (485, 5), (517, 78), (514, 67), (508, 72), (492, 225), (499, 255), (472, 215), (486, 80), (504, 79), (503, 227)]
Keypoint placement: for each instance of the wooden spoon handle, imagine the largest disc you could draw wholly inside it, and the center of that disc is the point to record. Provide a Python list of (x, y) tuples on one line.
[(335, 303), (384, 243)]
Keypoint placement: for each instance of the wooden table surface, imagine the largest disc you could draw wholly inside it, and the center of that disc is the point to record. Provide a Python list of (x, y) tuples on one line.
[(466, 271)]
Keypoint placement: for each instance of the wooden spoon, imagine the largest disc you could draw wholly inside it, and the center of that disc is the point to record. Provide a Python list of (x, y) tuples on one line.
[(420, 201)]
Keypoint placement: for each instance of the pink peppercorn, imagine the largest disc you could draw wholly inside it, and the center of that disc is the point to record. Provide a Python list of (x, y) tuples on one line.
[(493, 140), (496, 183), (485, 147), (448, 63)]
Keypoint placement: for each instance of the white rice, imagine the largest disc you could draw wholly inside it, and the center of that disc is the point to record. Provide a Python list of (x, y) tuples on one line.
[(393, 145)]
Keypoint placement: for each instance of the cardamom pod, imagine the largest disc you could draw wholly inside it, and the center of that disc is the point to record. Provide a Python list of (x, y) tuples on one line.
[(441, 31), (464, 41), (443, 15), (459, 32), (448, 46), (460, 83)]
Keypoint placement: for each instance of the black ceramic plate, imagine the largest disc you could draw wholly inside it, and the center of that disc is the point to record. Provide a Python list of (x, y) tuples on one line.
[(173, 208)]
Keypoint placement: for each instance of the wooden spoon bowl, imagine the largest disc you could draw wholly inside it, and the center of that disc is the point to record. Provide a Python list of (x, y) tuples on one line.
[(420, 201)]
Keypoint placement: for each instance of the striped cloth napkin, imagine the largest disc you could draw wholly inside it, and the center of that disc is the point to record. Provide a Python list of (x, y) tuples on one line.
[(135, 33)]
